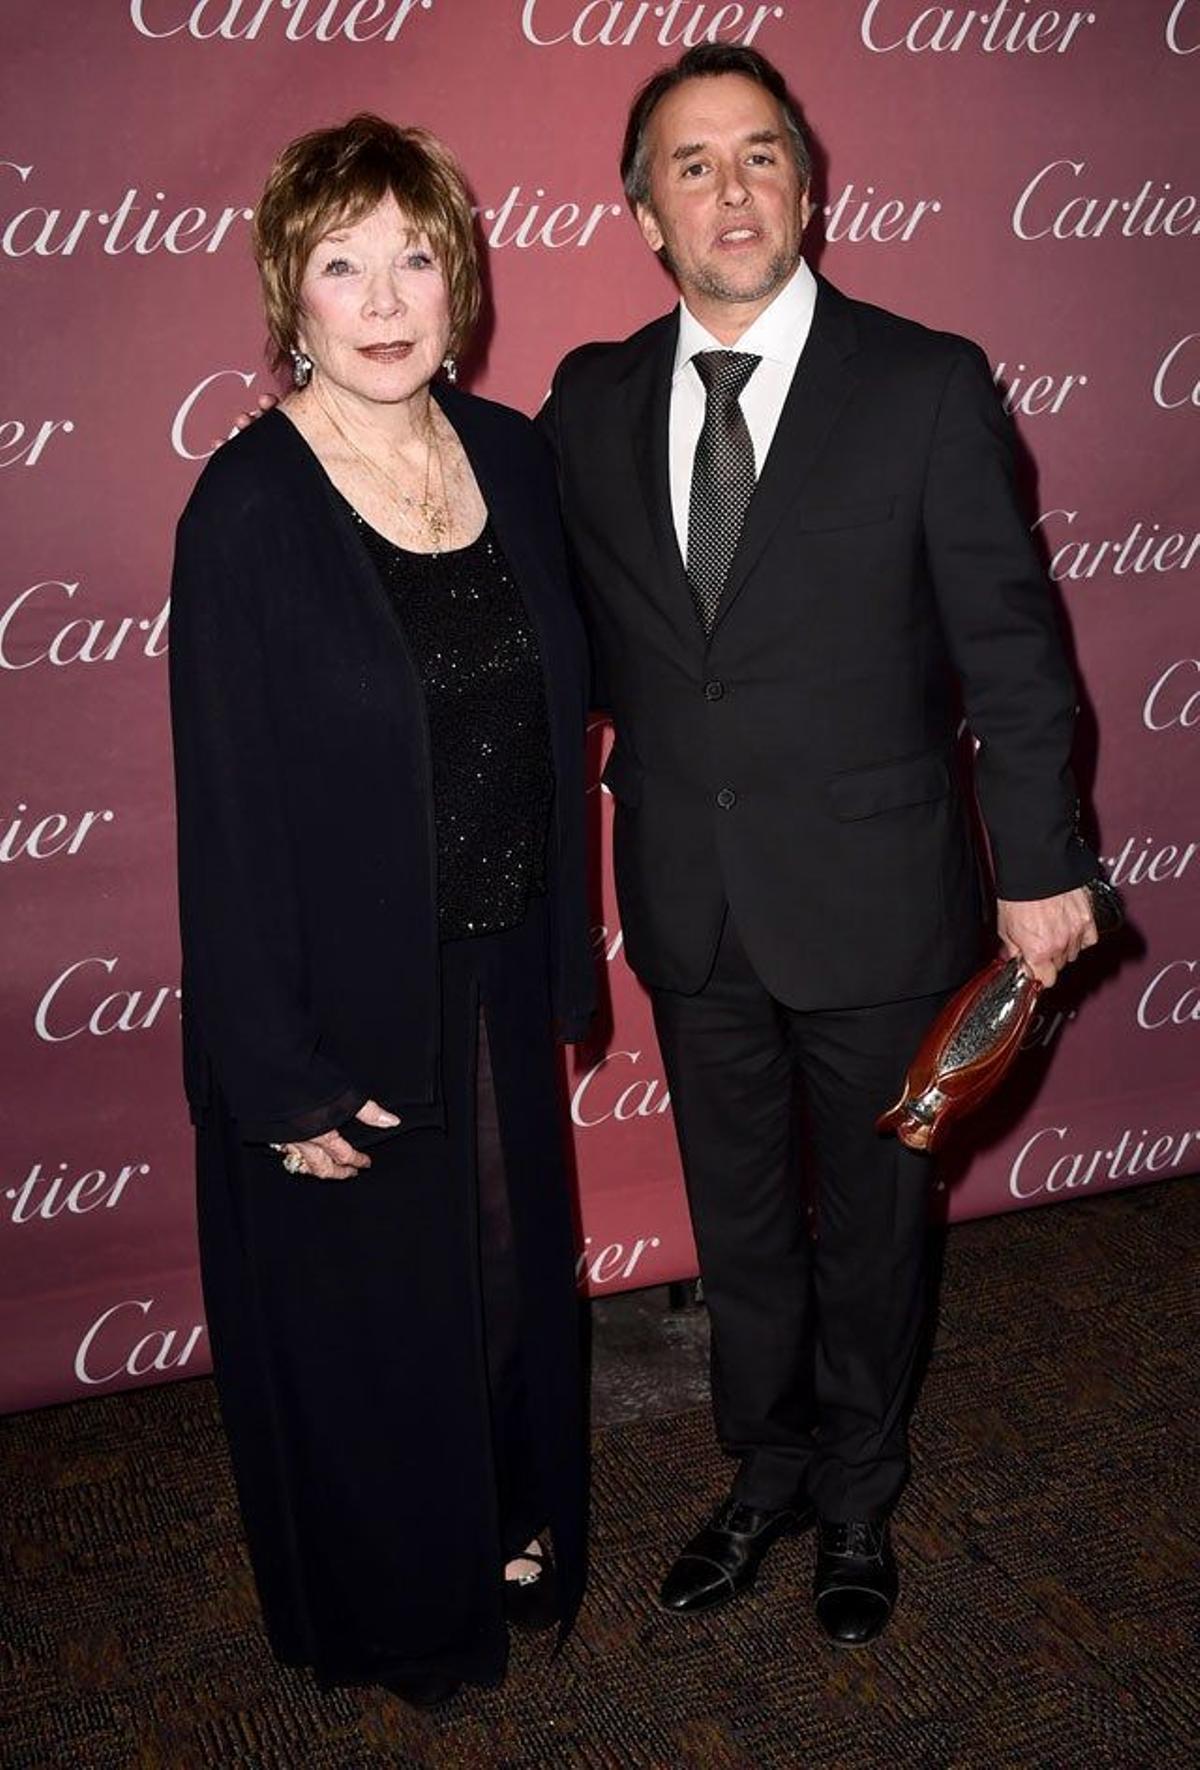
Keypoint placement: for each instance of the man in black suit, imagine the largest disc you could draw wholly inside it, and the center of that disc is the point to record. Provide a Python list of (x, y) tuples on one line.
[(794, 520)]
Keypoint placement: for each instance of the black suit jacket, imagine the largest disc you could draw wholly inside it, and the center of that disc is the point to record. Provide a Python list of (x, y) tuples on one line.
[(799, 763), (304, 795)]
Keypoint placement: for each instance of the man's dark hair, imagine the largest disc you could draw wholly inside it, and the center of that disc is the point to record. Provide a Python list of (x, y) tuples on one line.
[(703, 62)]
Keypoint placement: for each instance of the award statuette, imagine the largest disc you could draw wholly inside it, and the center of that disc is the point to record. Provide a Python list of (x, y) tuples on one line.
[(974, 1039)]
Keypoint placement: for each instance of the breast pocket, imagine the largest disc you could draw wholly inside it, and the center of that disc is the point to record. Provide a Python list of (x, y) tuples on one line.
[(859, 515)]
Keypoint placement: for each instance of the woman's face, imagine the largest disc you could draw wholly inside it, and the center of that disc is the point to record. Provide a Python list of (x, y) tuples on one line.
[(374, 310)]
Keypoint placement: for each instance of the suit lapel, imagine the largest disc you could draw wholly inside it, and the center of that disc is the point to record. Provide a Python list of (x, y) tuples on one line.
[(825, 377), (646, 391)]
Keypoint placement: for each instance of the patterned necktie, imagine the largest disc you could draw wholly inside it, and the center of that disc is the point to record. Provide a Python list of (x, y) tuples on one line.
[(723, 478)]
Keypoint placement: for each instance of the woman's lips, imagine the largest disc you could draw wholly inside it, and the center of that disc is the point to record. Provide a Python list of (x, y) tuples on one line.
[(393, 352)]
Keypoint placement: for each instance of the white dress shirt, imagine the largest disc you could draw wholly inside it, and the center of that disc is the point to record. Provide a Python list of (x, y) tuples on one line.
[(778, 336)]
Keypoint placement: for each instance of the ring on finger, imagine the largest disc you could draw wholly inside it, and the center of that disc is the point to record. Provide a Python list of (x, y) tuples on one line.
[(293, 1161)]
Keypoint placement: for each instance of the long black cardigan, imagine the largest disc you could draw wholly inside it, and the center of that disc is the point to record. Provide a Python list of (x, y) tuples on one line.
[(307, 857)]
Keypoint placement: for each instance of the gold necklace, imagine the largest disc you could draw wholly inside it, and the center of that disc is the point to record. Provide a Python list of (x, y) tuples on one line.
[(435, 516)]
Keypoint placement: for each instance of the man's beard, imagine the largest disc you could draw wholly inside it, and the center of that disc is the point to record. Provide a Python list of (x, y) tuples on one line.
[(709, 282)]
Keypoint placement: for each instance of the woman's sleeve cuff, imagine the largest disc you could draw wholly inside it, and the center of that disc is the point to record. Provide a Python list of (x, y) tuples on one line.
[(300, 1127)]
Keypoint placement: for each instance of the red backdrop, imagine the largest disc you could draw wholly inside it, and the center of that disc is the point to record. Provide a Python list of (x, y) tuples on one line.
[(1021, 174)]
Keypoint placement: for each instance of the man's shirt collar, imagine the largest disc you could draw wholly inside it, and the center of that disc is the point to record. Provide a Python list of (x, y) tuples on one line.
[(777, 335)]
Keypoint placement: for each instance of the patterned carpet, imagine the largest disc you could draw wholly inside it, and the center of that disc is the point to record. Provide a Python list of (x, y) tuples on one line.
[(1050, 1548)]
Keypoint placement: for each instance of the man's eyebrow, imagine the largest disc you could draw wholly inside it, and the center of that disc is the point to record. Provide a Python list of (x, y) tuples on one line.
[(757, 138)]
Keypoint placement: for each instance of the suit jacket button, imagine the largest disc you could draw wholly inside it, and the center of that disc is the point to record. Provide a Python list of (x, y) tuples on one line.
[(726, 798), (713, 690)]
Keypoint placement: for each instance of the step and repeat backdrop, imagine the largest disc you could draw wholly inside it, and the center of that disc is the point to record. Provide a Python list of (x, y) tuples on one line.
[(1020, 172)]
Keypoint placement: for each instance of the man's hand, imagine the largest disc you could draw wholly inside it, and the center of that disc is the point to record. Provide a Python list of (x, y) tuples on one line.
[(329, 1156), (1047, 932), (266, 403)]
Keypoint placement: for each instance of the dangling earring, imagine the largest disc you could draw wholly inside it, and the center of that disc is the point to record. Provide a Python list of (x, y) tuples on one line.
[(450, 368), (302, 368)]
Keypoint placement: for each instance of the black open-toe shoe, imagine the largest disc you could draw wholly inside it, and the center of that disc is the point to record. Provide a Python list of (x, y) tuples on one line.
[(531, 1602)]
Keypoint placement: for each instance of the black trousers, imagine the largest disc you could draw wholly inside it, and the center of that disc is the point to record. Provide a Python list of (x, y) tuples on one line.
[(814, 1337)]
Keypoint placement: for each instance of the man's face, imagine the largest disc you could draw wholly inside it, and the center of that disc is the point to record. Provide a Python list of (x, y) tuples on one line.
[(725, 197)]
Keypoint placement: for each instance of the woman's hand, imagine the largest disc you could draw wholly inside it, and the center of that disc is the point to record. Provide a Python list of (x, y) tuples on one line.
[(329, 1156), (266, 403)]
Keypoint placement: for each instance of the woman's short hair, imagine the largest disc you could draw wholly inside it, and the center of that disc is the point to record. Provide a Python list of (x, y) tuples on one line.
[(332, 178), (705, 61)]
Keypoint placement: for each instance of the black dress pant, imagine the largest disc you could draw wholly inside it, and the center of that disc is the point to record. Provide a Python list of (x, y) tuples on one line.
[(815, 1336)]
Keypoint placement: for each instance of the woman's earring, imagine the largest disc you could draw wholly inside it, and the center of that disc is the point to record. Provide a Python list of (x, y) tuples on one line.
[(450, 368), (302, 368)]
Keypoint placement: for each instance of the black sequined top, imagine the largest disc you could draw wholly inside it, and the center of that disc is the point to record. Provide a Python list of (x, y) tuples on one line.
[(493, 777)]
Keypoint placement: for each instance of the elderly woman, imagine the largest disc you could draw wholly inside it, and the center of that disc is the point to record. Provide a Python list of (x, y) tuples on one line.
[(378, 698)]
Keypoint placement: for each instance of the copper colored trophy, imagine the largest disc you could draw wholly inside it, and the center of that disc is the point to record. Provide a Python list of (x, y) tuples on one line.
[(974, 1039)]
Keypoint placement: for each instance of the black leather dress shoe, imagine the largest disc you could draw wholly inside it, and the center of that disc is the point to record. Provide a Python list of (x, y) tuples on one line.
[(422, 1690), (723, 1559), (856, 1580)]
